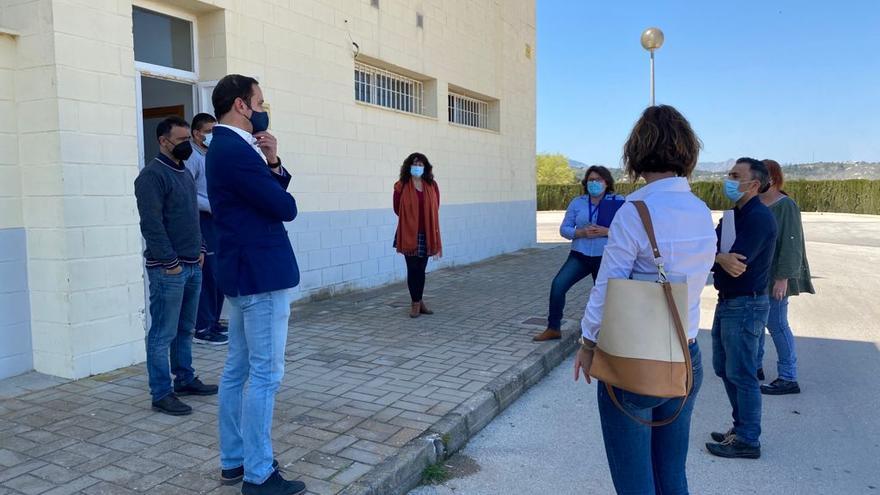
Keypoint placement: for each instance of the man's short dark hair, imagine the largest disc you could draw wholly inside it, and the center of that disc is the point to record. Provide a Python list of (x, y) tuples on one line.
[(164, 127), (201, 119), (759, 171), (228, 89)]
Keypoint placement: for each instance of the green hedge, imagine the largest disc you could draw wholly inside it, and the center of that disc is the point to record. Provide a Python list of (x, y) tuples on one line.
[(838, 196)]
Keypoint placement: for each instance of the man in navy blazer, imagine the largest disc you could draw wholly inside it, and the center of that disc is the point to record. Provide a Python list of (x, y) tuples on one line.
[(247, 188)]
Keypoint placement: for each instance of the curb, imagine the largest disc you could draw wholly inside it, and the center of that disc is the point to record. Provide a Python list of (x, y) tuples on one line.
[(402, 472)]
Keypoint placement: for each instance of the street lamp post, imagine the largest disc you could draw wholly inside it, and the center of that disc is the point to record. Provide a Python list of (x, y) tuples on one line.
[(652, 39)]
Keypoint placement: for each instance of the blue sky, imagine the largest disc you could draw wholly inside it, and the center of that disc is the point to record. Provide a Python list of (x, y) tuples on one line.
[(795, 81)]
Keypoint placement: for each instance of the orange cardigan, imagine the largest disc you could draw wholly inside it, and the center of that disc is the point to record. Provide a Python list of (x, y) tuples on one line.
[(408, 213)]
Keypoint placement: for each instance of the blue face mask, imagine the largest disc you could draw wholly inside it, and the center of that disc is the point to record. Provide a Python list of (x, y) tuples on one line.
[(208, 138), (259, 120), (595, 188), (731, 190), (416, 170)]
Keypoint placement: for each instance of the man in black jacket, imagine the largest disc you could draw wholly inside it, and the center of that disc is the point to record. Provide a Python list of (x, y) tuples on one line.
[(166, 201), (741, 275)]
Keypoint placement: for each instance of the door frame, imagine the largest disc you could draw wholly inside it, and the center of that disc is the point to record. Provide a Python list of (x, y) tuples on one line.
[(162, 72), (170, 74), (139, 104)]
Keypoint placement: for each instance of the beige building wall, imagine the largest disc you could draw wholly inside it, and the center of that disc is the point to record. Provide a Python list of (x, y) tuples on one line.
[(74, 92), (69, 138), (16, 355), (10, 173)]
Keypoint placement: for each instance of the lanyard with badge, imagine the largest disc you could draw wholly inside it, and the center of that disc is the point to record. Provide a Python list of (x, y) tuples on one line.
[(594, 211)]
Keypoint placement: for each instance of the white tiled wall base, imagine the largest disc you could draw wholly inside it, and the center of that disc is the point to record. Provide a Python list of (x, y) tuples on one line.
[(15, 330), (340, 251)]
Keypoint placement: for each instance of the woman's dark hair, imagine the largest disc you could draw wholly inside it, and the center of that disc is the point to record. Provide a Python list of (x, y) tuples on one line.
[(228, 89), (427, 176), (602, 172), (661, 141)]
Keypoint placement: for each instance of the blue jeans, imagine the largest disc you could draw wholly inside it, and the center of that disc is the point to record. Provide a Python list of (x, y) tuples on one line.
[(645, 460), (211, 299), (257, 338), (736, 333), (173, 302), (575, 269), (783, 340)]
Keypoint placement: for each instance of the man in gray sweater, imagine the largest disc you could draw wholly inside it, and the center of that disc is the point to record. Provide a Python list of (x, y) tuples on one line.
[(166, 201)]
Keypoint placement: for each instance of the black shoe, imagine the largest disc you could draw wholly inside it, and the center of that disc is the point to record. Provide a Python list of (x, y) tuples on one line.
[(760, 374), (720, 437), (732, 448), (781, 387), (274, 485), (210, 337), (221, 329), (172, 406), (195, 387), (235, 475)]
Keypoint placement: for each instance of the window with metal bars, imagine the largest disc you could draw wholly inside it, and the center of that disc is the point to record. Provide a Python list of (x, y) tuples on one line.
[(387, 89), (468, 111)]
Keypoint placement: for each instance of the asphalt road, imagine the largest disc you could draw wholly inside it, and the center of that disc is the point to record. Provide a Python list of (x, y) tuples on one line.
[(824, 441)]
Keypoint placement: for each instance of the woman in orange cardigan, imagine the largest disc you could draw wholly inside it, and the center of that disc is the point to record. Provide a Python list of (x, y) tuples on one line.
[(417, 206)]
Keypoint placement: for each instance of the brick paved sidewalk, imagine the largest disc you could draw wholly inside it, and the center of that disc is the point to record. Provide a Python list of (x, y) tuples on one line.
[(362, 380)]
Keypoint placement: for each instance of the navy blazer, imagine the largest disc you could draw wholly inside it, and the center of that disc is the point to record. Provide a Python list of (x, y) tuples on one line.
[(249, 203)]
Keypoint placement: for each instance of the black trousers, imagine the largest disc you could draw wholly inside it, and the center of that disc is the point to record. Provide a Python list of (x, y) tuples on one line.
[(415, 276), (211, 298)]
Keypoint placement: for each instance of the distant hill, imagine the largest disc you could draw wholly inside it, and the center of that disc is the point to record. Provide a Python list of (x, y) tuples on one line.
[(716, 166), (832, 171), (802, 171)]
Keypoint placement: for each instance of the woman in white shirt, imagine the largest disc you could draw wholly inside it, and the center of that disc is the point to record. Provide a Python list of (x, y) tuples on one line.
[(663, 150)]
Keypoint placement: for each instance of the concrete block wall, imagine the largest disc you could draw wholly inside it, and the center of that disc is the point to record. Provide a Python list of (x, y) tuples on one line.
[(98, 152), (77, 158), (345, 156), (16, 348), (346, 250), (16, 354), (10, 172), (68, 134)]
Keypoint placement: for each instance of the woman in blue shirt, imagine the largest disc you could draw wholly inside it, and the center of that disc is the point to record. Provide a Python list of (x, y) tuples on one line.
[(586, 223)]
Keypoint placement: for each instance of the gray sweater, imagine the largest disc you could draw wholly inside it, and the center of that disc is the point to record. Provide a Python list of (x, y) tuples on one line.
[(166, 201)]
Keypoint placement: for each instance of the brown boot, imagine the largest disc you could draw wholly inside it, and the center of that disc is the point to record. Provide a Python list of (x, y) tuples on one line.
[(424, 309), (548, 334), (414, 310)]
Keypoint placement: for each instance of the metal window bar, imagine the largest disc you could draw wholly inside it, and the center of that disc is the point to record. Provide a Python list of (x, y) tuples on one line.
[(468, 111), (387, 89)]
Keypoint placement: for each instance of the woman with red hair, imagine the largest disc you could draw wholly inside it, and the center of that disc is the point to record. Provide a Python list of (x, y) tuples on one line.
[(790, 276)]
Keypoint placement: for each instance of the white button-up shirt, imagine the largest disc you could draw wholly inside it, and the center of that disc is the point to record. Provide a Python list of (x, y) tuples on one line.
[(686, 238), (248, 138)]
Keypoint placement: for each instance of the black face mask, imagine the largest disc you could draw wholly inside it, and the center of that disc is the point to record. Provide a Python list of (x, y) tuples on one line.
[(182, 151)]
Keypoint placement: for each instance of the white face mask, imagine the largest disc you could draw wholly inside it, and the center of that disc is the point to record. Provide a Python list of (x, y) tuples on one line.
[(208, 138)]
